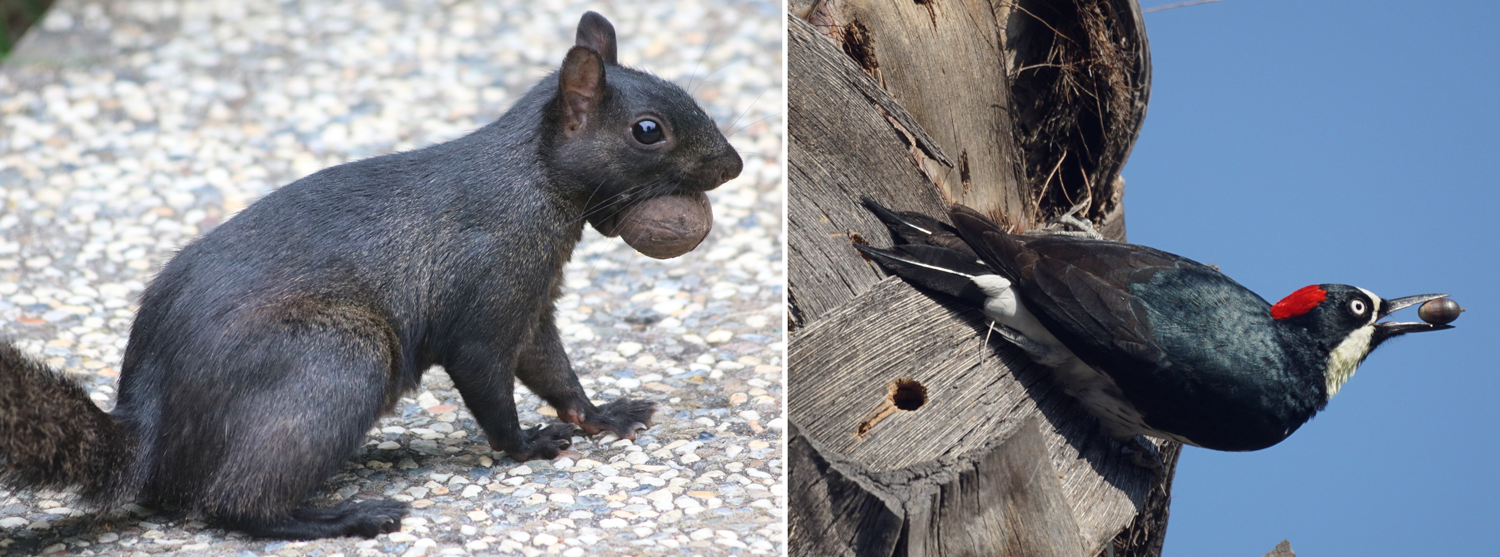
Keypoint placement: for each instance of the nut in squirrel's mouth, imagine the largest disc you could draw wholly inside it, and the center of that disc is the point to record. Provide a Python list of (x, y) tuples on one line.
[(662, 227)]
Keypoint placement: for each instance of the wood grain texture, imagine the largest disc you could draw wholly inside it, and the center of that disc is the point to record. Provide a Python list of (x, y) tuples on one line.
[(848, 139), (835, 516), (860, 461), (942, 61), (1008, 503), (1146, 534), (978, 393)]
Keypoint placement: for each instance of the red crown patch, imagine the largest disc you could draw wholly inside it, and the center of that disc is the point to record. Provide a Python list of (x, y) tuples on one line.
[(1299, 302)]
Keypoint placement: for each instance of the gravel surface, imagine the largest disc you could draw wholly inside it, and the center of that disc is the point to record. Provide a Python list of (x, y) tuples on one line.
[(129, 128)]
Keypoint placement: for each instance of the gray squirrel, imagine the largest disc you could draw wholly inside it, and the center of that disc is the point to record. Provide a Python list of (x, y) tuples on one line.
[(266, 349)]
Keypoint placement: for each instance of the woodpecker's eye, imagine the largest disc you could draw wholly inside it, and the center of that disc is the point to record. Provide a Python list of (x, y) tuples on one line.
[(647, 132), (1357, 307)]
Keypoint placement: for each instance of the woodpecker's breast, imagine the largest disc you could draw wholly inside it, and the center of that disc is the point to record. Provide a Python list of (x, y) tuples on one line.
[(1220, 373)]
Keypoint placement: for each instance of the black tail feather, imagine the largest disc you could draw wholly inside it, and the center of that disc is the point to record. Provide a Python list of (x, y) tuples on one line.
[(944, 270), (53, 436), (907, 225), (915, 228)]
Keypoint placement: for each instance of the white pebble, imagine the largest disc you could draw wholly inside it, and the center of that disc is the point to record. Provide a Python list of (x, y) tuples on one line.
[(613, 523)]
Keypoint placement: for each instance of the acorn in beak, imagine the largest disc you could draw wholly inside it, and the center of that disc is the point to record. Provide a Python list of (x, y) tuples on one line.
[(1437, 319)]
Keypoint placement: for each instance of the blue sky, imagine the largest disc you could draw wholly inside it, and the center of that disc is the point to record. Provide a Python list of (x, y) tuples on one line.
[(1294, 143)]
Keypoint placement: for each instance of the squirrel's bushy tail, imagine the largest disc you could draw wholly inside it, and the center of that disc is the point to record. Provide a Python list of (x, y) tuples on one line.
[(53, 436)]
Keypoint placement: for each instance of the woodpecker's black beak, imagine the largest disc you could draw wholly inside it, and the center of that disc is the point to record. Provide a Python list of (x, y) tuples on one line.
[(1389, 330)]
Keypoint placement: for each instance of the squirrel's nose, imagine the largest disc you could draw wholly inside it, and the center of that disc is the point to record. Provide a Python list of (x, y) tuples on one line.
[(732, 167)]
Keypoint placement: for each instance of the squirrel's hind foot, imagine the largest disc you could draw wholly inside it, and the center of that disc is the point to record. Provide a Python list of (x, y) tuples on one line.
[(365, 519)]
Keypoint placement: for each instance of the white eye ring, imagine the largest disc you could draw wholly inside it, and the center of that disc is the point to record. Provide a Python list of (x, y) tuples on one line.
[(1357, 306)]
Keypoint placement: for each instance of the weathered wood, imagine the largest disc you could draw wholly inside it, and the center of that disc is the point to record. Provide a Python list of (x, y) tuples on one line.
[(1040, 100), (943, 62), (1009, 503), (1283, 549), (1146, 533), (854, 140), (835, 516), (977, 394), (865, 454)]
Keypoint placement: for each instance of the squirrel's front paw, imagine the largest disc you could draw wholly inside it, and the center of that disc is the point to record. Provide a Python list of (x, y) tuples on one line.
[(622, 417), (541, 442)]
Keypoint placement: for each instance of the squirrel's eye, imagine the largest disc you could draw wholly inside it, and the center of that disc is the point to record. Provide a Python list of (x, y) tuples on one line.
[(647, 131)]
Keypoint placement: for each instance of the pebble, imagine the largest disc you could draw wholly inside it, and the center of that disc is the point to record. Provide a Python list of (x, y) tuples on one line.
[(401, 537), (188, 111), (613, 523)]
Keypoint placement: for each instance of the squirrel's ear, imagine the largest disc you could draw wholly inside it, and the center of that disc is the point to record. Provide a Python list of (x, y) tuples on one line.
[(580, 86), (597, 34)]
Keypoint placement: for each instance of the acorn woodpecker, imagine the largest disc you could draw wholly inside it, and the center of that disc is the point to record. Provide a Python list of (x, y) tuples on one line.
[(1151, 343)]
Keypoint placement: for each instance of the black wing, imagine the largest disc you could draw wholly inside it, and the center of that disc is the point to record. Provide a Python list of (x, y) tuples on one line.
[(1170, 331), (1079, 288)]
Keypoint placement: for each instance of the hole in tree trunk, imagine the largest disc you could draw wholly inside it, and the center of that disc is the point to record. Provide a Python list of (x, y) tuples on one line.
[(905, 394), (908, 394)]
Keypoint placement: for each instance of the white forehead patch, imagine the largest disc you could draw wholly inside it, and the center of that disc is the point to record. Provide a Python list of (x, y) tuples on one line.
[(1374, 314)]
